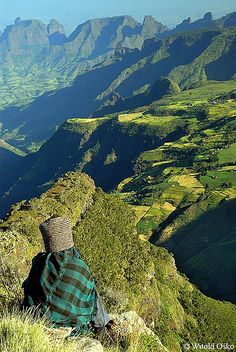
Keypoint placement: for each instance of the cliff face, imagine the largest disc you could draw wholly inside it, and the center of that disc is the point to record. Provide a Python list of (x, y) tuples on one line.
[(56, 33), (90, 39), (207, 22), (23, 41), (105, 148), (187, 59)]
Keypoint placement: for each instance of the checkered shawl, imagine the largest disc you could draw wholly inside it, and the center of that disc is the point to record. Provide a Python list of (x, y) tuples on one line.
[(60, 285)]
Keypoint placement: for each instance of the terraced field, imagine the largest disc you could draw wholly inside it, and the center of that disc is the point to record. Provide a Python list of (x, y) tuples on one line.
[(177, 172), (227, 155), (220, 179), (173, 161), (190, 179)]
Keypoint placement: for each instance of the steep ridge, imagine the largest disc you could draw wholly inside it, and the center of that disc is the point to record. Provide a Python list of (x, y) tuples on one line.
[(186, 59), (182, 58), (23, 41), (185, 191), (115, 103), (32, 52), (174, 161), (8, 155), (41, 58), (98, 36), (207, 22), (129, 272), (104, 148)]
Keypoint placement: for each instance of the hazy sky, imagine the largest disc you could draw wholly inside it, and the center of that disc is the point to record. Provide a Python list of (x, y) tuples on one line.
[(73, 12)]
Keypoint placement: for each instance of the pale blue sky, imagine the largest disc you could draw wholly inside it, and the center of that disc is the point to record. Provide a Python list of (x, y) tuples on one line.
[(73, 12)]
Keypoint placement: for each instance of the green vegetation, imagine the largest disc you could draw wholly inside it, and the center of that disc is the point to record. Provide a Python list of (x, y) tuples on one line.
[(104, 148), (21, 332), (227, 156), (220, 179), (187, 73), (130, 273), (165, 161), (181, 186), (184, 60), (170, 165), (10, 148)]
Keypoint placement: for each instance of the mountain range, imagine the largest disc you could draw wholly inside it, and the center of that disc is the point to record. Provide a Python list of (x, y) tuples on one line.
[(187, 59), (40, 58), (149, 114), (163, 159), (43, 58)]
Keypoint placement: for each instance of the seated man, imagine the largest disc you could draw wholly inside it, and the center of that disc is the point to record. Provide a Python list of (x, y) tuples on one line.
[(60, 284)]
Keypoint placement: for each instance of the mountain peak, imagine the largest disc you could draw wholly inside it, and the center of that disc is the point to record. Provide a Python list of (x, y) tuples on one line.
[(151, 26), (149, 19), (208, 17), (17, 20), (56, 33), (230, 20), (187, 21), (55, 27), (25, 35)]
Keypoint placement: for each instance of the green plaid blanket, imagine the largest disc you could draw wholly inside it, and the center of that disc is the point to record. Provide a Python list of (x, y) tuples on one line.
[(60, 285)]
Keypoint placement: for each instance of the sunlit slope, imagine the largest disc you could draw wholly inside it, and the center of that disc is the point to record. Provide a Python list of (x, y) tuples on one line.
[(130, 274), (107, 148), (185, 59), (36, 58), (174, 161), (185, 191)]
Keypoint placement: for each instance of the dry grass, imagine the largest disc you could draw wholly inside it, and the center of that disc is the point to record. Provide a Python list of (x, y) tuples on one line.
[(21, 332)]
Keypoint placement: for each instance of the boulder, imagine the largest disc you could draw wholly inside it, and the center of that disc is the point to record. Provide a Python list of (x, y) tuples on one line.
[(129, 323), (84, 344), (87, 344)]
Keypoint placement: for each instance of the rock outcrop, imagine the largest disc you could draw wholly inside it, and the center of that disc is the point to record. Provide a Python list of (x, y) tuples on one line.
[(129, 323), (56, 33), (88, 344)]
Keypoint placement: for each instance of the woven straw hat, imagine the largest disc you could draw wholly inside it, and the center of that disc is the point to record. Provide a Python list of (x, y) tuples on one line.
[(57, 234)]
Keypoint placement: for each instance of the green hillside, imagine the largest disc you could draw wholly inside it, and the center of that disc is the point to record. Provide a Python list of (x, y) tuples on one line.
[(174, 161), (185, 60), (104, 148), (131, 274), (36, 58), (40, 58), (185, 191), (130, 129)]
